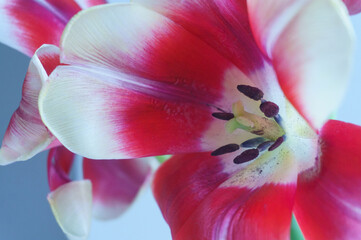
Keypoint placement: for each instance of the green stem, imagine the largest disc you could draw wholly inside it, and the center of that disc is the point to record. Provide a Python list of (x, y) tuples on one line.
[(296, 233), (163, 158)]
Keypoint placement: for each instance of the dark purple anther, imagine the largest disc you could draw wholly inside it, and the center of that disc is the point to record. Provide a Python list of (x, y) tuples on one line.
[(246, 156), (269, 109), (277, 143), (251, 92), (223, 115), (254, 142), (264, 146), (225, 149)]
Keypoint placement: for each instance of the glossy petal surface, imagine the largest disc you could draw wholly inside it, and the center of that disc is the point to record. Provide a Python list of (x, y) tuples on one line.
[(239, 202), (308, 52), (328, 199), (115, 183), (72, 207), (151, 95), (26, 134)]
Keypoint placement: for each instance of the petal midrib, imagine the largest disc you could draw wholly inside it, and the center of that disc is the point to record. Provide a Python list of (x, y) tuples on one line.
[(162, 90)]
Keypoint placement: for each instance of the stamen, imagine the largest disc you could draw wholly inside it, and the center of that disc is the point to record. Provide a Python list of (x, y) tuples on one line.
[(254, 142), (277, 143), (225, 149), (264, 146), (251, 92), (223, 115), (269, 109), (246, 156)]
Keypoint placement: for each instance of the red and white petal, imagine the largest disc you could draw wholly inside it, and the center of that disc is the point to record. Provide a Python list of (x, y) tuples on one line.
[(116, 183), (353, 6), (60, 161), (328, 199), (71, 204), (145, 85), (204, 197), (26, 134), (27, 24), (224, 25), (310, 44)]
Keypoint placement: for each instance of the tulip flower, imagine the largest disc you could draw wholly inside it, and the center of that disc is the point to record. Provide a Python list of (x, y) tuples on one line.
[(239, 91), (113, 184)]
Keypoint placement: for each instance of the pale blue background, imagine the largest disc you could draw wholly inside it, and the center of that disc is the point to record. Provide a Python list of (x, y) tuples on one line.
[(24, 211)]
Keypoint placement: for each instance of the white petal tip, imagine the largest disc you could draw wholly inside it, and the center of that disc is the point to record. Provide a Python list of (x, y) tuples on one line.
[(72, 207)]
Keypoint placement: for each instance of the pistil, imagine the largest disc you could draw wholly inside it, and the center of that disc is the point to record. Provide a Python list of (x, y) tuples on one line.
[(268, 128), (264, 127)]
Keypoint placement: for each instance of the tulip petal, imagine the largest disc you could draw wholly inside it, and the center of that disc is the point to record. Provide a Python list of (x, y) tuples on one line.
[(26, 135), (71, 204), (204, 197), (60, 161), (310, 44), (353, 6), (328, 199), (90, 3), (27, 24), (116, 184), (150, 91), (224, 25)]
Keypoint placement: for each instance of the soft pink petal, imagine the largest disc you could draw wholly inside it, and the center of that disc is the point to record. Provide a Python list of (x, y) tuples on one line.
[(310, 44), (204, 197), (115, 183), (60, 161), (328, 200), (26, 134), (354, 6), (152, 94)]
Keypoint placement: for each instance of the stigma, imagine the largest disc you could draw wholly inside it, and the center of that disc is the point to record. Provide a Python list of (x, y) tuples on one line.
[(268, 128)]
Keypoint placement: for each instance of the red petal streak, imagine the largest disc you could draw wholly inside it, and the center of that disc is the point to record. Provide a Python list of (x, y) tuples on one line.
[(354, 6), (28, 24), (222, 24), (115, 183), (60, 161), (328, 200), (187, 189)]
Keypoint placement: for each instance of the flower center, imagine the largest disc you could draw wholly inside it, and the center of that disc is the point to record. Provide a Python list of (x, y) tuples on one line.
[(268, 127)]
